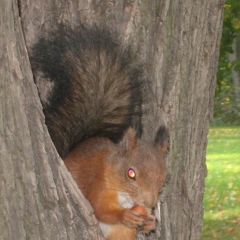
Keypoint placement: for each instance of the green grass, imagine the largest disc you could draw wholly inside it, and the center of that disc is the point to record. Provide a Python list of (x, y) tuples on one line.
[(222, 196)]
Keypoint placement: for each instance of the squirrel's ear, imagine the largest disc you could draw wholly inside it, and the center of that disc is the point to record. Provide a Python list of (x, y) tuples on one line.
[(129, 140), (162, 138)]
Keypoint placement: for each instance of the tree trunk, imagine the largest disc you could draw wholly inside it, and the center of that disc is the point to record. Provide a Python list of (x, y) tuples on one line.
[(39, 199), (178, 43)]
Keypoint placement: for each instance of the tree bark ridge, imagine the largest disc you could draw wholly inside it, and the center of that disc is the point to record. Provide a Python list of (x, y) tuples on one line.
[(39, 199)]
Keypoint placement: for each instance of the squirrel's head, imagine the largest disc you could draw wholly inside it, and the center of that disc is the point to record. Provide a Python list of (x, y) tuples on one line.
[(141, 167)]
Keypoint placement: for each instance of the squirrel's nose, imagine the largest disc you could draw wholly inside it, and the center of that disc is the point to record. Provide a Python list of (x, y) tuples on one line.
[(150, 199)]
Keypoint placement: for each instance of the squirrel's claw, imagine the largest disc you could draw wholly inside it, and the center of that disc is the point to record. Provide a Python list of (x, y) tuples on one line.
[(149, 225)]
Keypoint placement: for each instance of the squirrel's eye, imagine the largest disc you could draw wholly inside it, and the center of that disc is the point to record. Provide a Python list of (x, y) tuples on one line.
[(131, 174)]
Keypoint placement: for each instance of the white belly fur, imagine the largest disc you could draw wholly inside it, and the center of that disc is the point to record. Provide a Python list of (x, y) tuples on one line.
[(106, 228), (126, 202)]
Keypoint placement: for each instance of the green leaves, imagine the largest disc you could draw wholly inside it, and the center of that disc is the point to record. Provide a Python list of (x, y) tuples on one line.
[(228, 112)]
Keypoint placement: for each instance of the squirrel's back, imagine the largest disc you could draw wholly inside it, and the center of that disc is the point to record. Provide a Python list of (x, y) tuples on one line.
[(93, 85)]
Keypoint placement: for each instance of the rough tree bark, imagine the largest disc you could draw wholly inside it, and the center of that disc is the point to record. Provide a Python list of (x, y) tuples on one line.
[(39, 199), (178, 42)]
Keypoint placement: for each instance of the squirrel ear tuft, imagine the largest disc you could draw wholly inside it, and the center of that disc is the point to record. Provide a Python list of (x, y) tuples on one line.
[(129, 140), (162, 138)]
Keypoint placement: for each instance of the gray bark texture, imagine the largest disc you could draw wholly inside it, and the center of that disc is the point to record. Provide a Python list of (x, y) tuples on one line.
[(178, 43)]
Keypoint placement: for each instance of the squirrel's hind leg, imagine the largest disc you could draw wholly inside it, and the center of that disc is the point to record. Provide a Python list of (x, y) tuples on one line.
[(121, 232)]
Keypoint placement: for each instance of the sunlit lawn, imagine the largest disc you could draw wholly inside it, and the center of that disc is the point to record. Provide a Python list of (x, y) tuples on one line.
[(222, 196)]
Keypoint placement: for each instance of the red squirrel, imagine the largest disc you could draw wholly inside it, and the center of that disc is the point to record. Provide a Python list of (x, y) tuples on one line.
[(115, 178), (91, 91)]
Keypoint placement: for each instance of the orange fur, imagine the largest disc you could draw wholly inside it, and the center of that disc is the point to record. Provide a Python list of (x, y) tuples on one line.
[(100, 170)]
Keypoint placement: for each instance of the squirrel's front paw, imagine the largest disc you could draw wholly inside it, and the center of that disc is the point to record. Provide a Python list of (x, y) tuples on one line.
[(148, 225), (132, 219)]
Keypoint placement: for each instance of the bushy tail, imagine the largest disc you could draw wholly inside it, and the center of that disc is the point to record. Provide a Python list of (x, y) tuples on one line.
[(93, 87)]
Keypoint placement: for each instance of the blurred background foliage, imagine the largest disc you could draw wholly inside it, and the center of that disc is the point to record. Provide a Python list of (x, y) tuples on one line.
[(222, 195), (227, 97)]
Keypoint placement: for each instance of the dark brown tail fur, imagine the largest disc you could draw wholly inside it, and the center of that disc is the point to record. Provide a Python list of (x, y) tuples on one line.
[(94, 87)]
